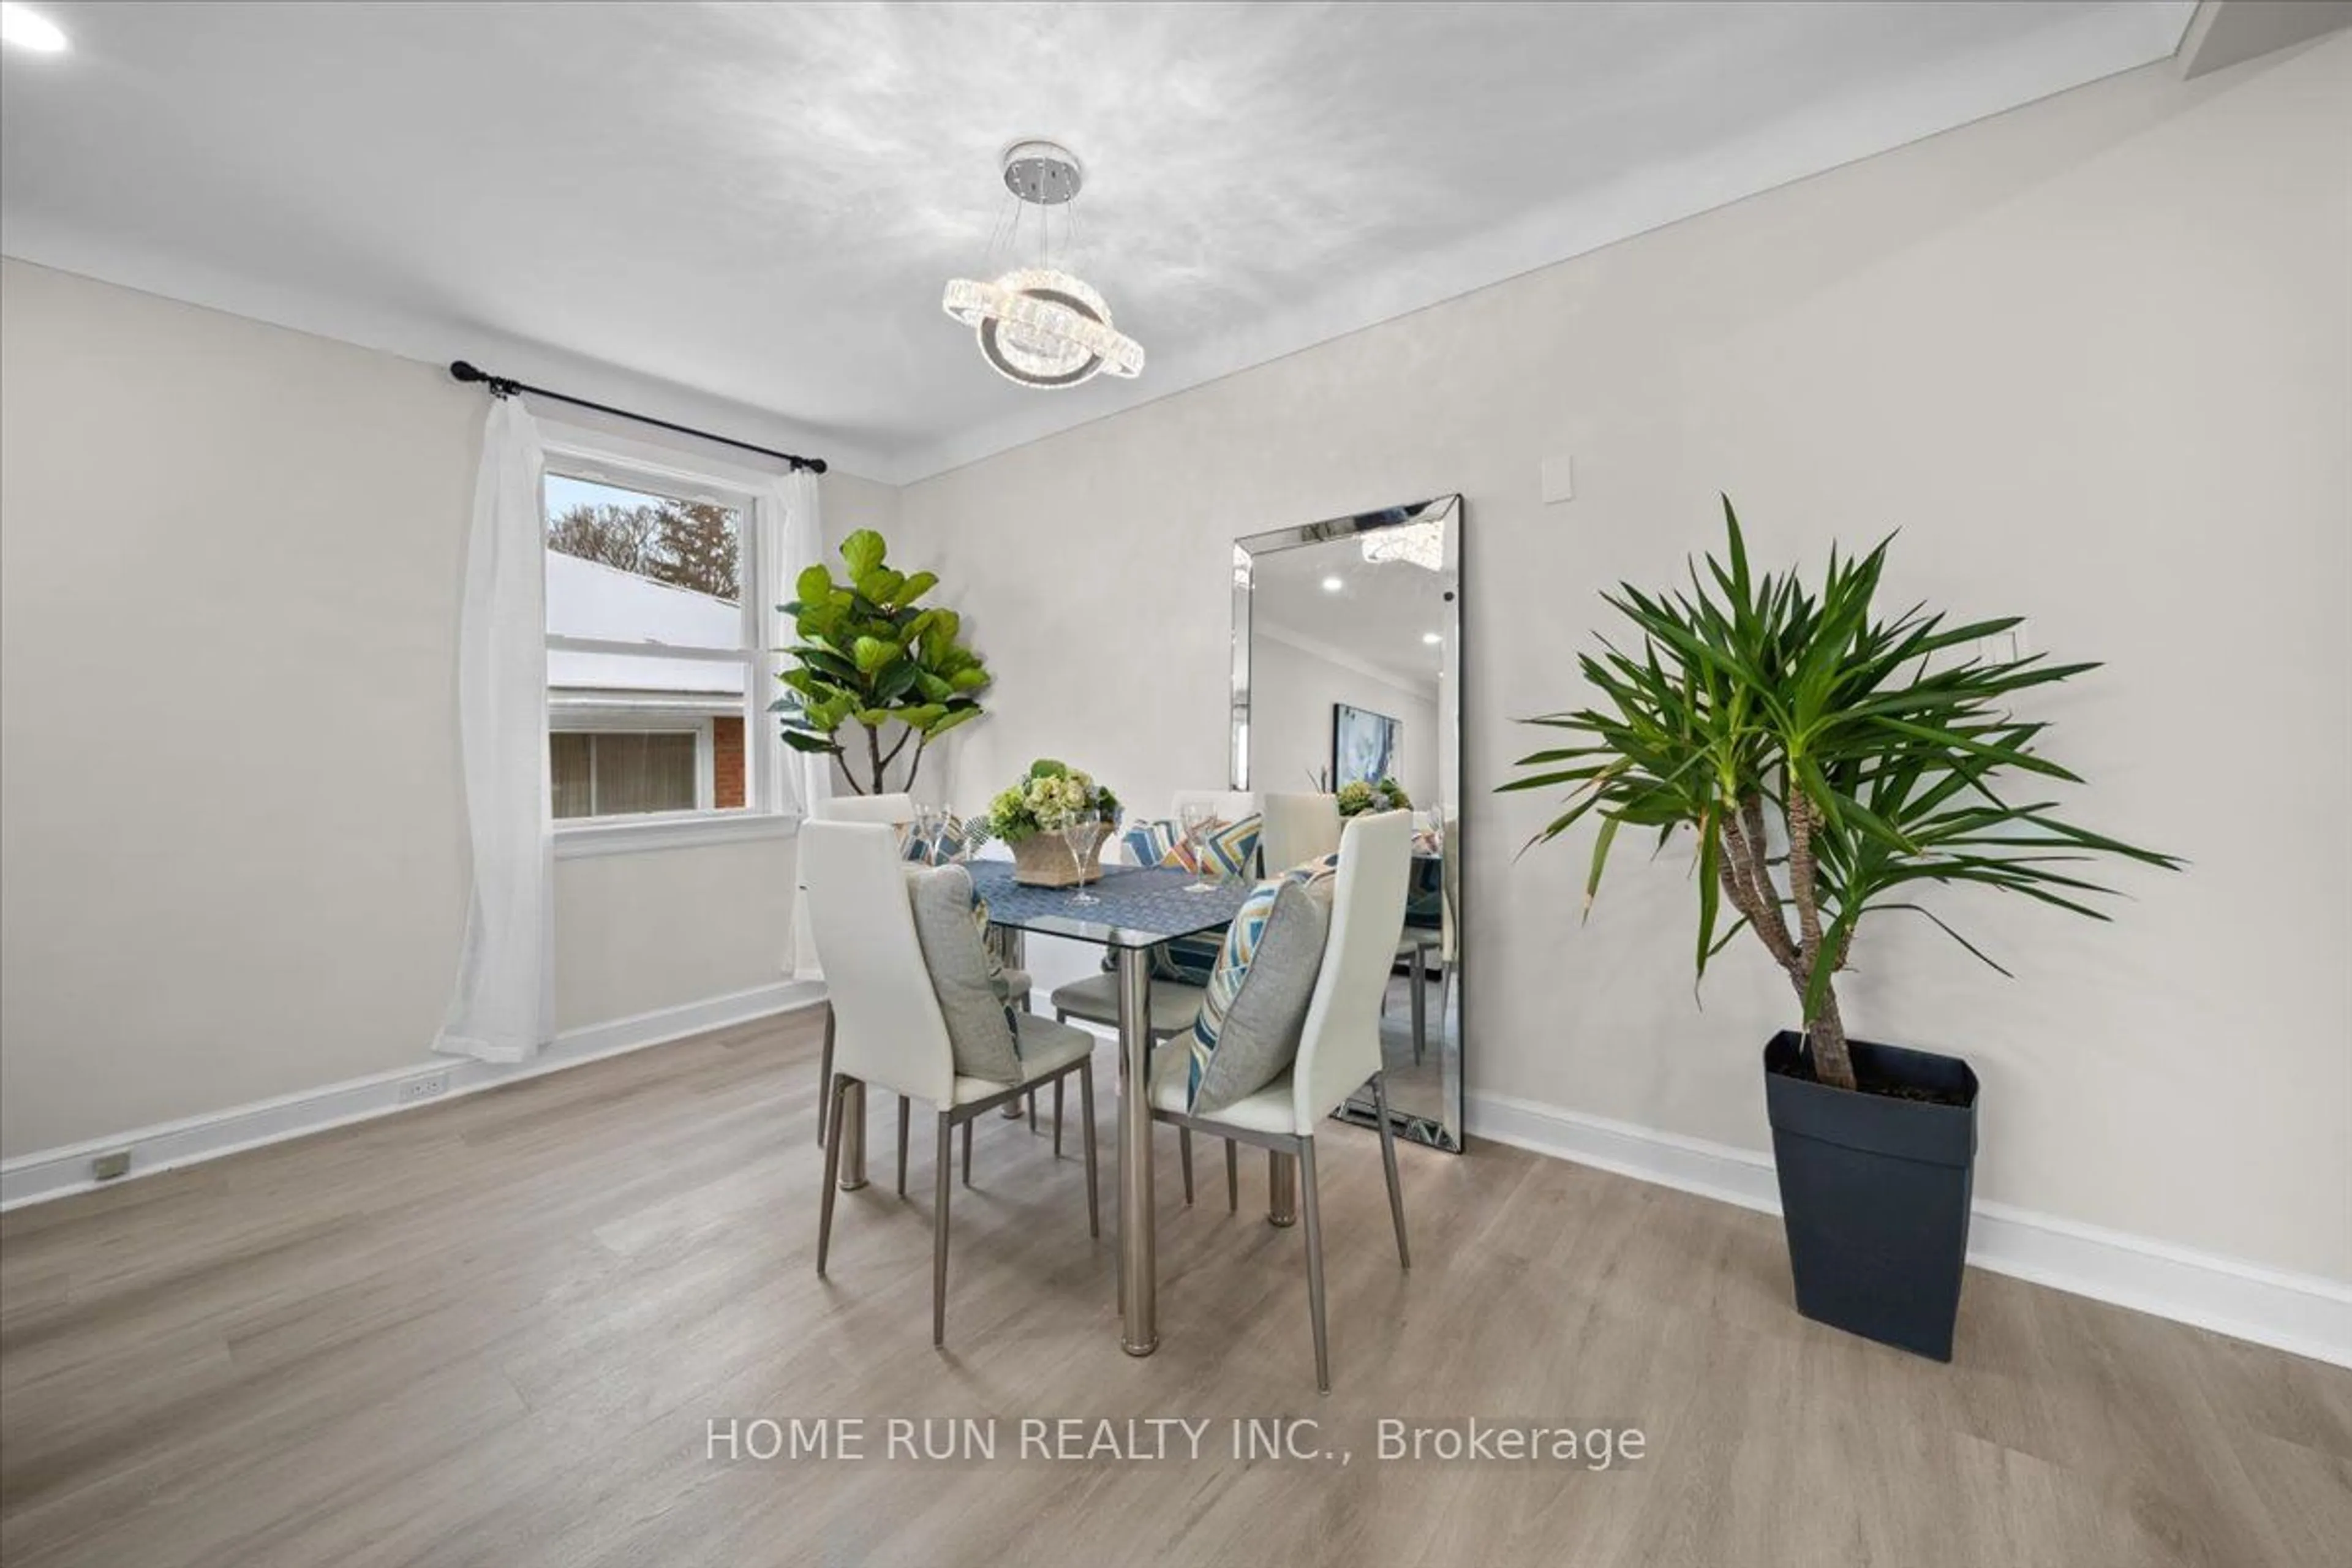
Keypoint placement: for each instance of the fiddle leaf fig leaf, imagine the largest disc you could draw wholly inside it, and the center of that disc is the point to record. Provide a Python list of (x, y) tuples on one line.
[(863, 550)]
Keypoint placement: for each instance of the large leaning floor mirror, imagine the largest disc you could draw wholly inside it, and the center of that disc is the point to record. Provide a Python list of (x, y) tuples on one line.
[(1347, 682)]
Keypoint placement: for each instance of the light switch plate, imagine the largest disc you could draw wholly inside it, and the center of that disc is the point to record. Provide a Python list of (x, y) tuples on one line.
[(2004, 648), (1559, 479)]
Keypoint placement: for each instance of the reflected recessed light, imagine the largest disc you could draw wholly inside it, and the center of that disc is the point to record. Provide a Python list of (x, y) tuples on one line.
[(1332, 584), (1432, 638), (28, 29)]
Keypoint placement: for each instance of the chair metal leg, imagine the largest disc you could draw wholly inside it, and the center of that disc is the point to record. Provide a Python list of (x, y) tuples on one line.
[(1184, 1157), (903, 1108), (967, 1154), (1087, 1126), (946, 1184), (1057, 1114), (1388, 1160), (835, 1089), (1313, 1211), (825, 1080), (1033, 1109), (1233, 1177)]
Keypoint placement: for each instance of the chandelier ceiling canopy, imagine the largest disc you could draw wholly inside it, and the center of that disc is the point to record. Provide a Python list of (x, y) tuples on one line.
[(1042, 326)]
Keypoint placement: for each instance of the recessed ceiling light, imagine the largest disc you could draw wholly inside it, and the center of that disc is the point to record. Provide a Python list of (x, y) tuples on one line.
[(1332, 584), (1432, 638), (28, 29)]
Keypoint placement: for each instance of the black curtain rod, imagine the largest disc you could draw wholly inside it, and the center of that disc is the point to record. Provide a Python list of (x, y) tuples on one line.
[(503, 387)]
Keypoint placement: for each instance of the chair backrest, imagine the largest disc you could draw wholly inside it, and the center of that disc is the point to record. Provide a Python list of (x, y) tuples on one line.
[(887, 809), (886, 1022), (1298, 828), (1339, 1047)]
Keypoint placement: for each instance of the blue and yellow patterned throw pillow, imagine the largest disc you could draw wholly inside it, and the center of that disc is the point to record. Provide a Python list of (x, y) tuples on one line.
[(944, 850), (1246, 1033), (1229, 847)]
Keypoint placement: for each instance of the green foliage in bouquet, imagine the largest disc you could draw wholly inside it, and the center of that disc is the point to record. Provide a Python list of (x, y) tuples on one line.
[(1357, 798), (1045, 800)]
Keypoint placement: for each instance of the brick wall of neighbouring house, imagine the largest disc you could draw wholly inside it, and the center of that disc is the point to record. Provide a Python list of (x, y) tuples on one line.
[(727, 762)]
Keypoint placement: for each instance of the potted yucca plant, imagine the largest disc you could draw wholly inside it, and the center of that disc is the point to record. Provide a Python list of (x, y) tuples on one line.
[(1828, 762)]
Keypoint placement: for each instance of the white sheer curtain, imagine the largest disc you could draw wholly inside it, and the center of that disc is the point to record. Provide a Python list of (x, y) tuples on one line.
[(504, 1009), (790, 540)]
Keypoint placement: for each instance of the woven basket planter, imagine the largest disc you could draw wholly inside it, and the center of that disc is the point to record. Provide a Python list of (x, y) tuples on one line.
[(1043, 860)]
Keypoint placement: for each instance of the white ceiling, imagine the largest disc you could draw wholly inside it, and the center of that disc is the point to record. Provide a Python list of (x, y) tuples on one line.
[(761, 202), (1375, 620)]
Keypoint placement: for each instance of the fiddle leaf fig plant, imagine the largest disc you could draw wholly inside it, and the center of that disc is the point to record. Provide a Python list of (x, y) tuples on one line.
[(1829, 761), (872, 658)]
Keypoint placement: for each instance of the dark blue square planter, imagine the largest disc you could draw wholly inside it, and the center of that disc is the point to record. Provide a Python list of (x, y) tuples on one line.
[(1875, 1191)]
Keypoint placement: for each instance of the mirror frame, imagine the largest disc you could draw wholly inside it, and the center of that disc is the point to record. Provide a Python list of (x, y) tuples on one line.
[(1444, 1129)]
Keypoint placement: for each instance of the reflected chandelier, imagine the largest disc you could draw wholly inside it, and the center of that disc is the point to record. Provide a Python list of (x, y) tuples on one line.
[(1039, 326)]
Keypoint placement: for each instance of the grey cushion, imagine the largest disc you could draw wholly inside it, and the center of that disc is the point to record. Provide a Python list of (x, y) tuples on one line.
[(964, 977), (1096, 999), (1247, 1032)]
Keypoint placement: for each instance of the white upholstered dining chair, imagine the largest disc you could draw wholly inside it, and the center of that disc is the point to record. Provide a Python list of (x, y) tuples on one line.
[(890, 810), (1338, 1047), (1298, 828), (892, 1035)]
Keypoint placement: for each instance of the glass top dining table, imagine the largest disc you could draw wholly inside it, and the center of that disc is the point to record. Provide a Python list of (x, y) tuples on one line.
[(1134, 909)]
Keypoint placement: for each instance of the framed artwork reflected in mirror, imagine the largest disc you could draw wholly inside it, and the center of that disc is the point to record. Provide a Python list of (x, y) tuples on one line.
[(1364, 745)]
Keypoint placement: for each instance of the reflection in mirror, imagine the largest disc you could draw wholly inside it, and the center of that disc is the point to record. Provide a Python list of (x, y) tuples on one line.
[(1347, 647)]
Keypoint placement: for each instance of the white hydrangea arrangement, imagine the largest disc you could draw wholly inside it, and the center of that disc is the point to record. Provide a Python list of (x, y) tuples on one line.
[(1044, 801)]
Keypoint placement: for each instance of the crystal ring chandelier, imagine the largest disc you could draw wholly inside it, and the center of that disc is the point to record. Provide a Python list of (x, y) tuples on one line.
[(1041, 326)]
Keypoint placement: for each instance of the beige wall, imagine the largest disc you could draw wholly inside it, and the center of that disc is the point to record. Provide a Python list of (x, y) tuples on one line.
[(1292, 689), (231, 860), (2094, 358)]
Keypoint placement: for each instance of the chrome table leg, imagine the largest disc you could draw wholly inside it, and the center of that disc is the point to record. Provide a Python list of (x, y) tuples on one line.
[(1281, 1188), (1139, 1286), (848, 1130)]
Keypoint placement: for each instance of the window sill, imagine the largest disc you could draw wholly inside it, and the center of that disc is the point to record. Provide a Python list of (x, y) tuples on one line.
[(576, 841)]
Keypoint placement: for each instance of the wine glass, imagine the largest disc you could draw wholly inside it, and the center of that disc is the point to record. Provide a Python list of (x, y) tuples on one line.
[(1079, 829), (1196, 818)]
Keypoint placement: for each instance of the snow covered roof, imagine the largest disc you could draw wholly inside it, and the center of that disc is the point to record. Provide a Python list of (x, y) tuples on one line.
[(589, 599)]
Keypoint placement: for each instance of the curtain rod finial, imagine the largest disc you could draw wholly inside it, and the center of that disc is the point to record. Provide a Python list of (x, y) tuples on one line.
[(466, 370)]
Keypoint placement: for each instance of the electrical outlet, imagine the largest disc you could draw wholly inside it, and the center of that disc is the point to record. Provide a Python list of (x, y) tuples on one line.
[(112, 1163), (424, 1086)]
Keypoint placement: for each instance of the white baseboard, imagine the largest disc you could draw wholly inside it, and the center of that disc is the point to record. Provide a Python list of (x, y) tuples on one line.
[(2302, 1313), (56, 1172)]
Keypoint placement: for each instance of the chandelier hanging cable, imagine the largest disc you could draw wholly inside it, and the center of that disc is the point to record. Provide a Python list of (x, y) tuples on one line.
[(1041, 326)]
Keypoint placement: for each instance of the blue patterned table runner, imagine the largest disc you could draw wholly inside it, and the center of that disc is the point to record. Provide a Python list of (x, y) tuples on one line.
[(1138, 905)]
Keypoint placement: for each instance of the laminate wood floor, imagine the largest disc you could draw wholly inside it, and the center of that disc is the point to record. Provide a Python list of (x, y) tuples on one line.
[(496, 1331)]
